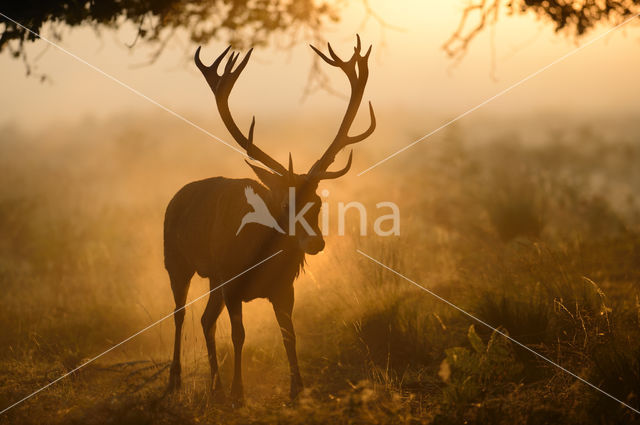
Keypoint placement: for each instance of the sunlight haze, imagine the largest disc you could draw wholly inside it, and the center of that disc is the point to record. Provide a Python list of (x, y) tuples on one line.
[(410, 72)]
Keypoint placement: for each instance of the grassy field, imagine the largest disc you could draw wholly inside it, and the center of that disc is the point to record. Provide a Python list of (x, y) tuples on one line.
[(539, 240)]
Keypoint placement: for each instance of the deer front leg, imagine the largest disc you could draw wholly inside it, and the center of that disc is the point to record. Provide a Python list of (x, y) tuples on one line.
[(237, 336), (209, 318), (283, 308)]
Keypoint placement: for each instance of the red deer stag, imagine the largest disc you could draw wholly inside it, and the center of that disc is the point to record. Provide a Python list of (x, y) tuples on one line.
[(203, 218)]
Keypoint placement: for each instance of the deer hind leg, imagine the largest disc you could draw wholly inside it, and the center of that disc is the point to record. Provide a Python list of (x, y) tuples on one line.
[(209, 318), (283, 308), (180, 279), (237, 336)]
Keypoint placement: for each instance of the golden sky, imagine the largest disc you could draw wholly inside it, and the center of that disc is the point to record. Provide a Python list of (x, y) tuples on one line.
[(409, 72)]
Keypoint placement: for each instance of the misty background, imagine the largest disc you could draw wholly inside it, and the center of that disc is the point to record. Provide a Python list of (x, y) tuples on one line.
[(525, 213)]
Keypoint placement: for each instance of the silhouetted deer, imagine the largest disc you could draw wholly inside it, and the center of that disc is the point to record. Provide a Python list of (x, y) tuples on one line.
[(202, 219)]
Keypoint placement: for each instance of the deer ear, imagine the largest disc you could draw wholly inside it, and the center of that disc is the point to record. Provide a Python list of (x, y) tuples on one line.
[(268, 178)]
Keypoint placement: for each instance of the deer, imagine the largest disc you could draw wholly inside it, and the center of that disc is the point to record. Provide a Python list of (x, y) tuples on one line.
[(202, 219)]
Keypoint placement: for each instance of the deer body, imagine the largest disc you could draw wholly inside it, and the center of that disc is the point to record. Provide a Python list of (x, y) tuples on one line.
[(222, 228), (200, 237)]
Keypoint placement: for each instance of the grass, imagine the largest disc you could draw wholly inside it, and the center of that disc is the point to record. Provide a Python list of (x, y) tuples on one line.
[(539, 241)]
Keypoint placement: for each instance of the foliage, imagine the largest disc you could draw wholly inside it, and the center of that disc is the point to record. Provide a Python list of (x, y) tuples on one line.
[(574, 16), (485, 370), (239, 22), (245, 23)]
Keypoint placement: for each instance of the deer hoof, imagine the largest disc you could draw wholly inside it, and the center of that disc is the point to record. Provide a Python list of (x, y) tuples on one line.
[(174, 384), (237, 403), (296, 388), (237, 400), (174, 379), (294, 394)]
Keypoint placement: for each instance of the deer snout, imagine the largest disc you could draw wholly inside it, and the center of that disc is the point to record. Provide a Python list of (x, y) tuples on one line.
[(312, 245)]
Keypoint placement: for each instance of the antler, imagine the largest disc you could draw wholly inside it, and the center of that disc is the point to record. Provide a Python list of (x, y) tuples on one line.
[(357, 72), (221, 86)]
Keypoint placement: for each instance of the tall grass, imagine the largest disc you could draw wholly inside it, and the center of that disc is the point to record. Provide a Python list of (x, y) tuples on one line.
[(539, 241)]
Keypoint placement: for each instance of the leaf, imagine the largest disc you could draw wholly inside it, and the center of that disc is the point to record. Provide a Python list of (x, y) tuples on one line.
[(445, 371), (476, 341)]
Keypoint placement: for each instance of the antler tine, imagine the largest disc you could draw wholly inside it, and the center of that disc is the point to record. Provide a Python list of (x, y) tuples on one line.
[(221, 86), (336, 61), (230, 62), (366, 55), (206, 70), (243, 62), (335, 57), (216, 63), (291, 173), (250, 138), (323, 56), (328, 175), (368, 132)]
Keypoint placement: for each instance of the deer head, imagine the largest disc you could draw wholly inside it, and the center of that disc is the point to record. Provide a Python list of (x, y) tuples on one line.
[(283, 183)]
